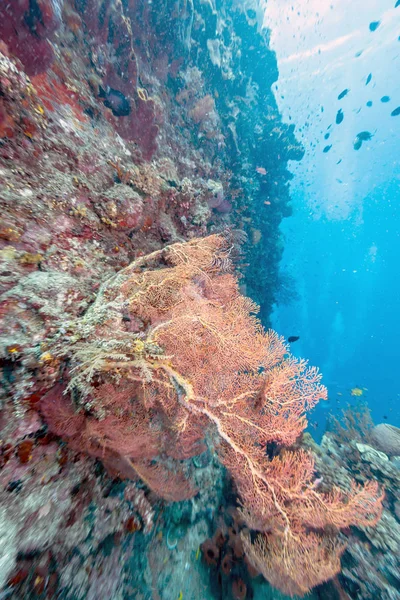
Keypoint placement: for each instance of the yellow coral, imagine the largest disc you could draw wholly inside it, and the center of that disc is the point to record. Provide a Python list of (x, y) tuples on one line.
[(138, 346), (28, 258), (46, 357), (143, 95)]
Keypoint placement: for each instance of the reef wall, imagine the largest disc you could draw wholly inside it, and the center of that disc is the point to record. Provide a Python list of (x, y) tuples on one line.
[(124, 126)]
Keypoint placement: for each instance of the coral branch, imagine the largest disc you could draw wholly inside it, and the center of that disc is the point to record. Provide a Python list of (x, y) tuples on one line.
[(200, 364), (295, 565)]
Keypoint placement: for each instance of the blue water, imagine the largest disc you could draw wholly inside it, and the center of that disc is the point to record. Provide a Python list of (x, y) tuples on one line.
[(342, 245), (347, 314)]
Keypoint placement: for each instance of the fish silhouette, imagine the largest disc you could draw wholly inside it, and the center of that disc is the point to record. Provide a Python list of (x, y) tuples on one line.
[(116, 101), (374, 25), (339, 116)]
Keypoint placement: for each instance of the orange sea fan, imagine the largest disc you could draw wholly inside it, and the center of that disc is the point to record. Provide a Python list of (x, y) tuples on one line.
[(294, 565), (202, 365)]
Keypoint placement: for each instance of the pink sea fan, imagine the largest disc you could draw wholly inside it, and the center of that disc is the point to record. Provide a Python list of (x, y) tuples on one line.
[(59, 413), (224, 208)]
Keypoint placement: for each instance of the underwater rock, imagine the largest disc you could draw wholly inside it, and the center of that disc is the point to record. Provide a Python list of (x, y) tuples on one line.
[(371, 455), (123, 207), (27, 28), (395, 460), (386, 535), (387, 438), (142, 125), (371, 562), (368, 577), (174, 534)]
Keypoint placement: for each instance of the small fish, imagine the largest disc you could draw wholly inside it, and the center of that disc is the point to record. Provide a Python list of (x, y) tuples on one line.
[(397, 4), (385, 416), (180, 597), (339, 116), (368, 79), (395, 112), (356, 392), (116, 101), (327, 148), (364, 136), (293, 338), (197, 553), (386, 98), (357, 143), (326, 136), (369, 103), (261, 170), (343, 94), (373, 26)]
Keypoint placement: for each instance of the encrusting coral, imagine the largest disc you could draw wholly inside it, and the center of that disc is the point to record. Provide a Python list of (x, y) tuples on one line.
[(169, 355)]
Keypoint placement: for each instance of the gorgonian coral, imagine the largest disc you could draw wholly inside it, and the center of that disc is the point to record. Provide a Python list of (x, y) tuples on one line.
[(171, 352)]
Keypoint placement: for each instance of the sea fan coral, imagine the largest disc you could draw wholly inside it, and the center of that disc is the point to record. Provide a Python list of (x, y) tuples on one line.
[(295, 566), (200, 363)]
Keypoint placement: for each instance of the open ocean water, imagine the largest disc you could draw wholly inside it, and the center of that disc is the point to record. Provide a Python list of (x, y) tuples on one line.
[(342, 242)]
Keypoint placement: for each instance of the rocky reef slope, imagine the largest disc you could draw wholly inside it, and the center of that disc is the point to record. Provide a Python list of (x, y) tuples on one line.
[(124, 126)]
